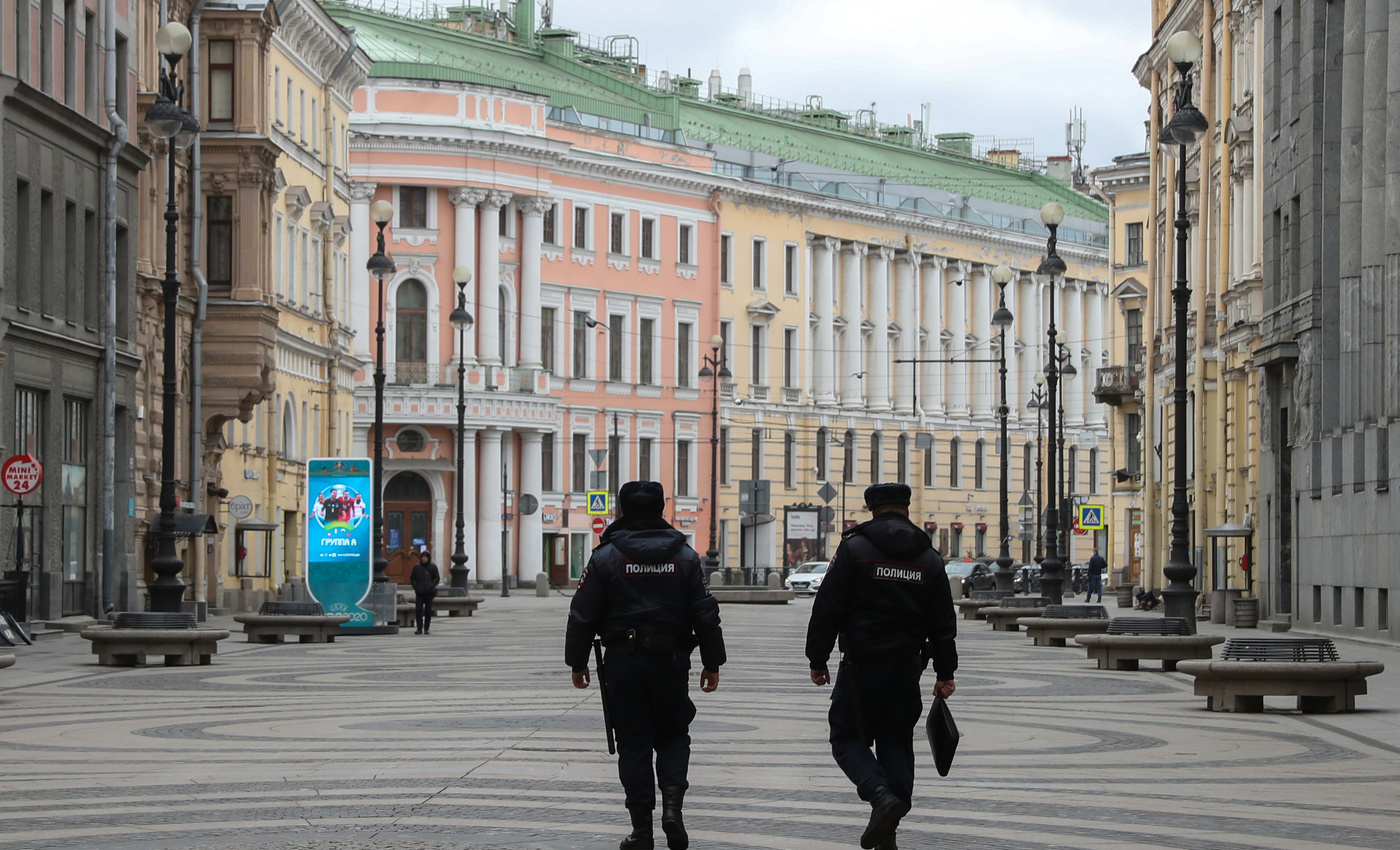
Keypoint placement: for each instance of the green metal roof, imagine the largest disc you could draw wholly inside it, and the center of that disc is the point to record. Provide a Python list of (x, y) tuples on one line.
[(429, 50)]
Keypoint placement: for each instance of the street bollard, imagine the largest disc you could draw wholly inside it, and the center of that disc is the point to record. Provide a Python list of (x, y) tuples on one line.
[(775, 581), (541, 585), (716, 579)]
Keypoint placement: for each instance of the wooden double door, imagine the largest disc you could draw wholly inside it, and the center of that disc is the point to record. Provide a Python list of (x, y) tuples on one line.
[(408, 525)]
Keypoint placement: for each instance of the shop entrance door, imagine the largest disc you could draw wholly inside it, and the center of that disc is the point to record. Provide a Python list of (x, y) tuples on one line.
[(408, 507)]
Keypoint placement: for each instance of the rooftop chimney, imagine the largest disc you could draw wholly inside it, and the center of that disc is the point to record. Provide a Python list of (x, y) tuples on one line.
[(716, 84)]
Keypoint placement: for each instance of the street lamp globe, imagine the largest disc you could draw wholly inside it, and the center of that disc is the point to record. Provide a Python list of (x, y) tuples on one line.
[(1052, 214), (461, 276), (1039, 379), (164, 120), (716, 342), (381, 212), (173, 40), (1184, 48)]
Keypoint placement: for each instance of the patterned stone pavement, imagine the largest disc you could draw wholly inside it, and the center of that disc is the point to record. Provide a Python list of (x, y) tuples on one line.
[(472, 739)]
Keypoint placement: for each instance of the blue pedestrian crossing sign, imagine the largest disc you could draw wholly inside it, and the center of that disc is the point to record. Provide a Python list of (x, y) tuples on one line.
[(597, 502), (1091, 517)]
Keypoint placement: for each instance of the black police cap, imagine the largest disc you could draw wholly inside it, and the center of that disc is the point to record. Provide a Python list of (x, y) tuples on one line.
[(880, 495), (637, 499)]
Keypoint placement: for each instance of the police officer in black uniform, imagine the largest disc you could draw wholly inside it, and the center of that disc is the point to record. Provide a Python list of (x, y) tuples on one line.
[(644, 593), (886, 596)]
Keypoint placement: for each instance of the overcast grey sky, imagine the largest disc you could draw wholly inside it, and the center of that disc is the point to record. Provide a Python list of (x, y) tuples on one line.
[(1009, 68)]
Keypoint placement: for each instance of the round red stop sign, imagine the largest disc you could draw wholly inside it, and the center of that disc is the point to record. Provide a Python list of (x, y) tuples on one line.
[(599, 524)]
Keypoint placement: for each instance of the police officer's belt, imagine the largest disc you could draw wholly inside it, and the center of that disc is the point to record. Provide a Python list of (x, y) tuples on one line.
[(652, 643)]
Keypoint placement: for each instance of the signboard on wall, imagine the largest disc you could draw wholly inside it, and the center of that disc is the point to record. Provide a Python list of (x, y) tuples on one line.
[(340, 506), (801, 536)]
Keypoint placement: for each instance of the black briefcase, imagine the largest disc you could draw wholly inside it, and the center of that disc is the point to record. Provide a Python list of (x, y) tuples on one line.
[(942, 735)]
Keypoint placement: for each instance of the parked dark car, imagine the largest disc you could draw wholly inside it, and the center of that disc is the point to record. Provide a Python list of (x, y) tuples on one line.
[(975, 575)]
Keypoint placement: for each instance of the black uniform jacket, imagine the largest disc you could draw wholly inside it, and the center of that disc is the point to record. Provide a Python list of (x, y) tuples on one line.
[(643, 576), (425, 577), (886, 594)]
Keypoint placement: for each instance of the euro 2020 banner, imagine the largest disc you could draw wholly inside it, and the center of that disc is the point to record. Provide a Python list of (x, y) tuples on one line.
[(338, 523)]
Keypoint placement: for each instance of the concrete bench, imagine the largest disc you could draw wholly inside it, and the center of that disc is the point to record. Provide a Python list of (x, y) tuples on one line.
[(1006, 616), (275, 628), (6, 661), (1123, 652), (1324, 687), (1058, 623), (123, 647), (972, 609), (455, 606)]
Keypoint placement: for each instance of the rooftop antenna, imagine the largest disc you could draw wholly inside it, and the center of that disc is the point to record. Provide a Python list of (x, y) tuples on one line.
[(1074, 143)]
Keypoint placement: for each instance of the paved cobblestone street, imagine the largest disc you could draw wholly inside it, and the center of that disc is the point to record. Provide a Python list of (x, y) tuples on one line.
[(473, 739)]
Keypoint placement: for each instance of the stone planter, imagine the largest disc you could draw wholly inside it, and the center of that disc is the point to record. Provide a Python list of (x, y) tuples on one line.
[(1125, 592), (1246, 611)]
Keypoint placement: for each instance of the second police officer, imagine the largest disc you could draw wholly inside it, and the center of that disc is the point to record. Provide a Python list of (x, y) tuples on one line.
[(886, 597), (644, 594)]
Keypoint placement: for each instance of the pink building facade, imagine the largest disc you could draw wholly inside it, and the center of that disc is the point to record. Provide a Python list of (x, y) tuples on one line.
[(593, 291)]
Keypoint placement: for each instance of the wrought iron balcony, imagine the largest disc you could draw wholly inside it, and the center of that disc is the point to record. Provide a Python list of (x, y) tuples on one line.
[(1116, 385)]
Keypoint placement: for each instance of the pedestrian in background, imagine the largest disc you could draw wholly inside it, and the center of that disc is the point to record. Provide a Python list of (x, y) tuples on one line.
[(1097, 565), (886, 598), (644, 594), (425, 578)]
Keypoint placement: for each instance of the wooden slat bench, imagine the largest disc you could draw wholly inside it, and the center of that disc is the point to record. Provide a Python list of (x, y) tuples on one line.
[(1250, 669), (1130, 639), (1058, 623)]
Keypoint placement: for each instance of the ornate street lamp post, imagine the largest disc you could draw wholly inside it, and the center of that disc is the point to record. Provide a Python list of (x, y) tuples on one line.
[(462, 321), (1052, 576), (1059, 486), (168, 120), (1001, 320), (1038, 403), (1187, 125), (383, 268), (714, 368)]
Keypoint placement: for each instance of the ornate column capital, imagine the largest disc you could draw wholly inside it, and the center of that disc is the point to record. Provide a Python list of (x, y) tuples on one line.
[(361, 193), (466, 196), (535, 205), (495, 199), (964, 268), (885, 253), (913, 258), (860, 249), (936, 261)]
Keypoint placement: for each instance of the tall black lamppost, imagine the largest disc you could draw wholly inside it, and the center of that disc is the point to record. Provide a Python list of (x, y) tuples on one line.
[(168, 120), (462, 321), (383, 268), (1001, 320), (1186, 126), (1052, 574), (1059, 487), (714, 368), (1038, 403)]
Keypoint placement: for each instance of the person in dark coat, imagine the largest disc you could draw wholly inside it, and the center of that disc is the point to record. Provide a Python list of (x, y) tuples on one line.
[(425, 579), (1096, 567), (643, 593), (886, 598)]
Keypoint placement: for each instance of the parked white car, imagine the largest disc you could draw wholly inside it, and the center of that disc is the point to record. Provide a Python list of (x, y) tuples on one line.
[(807, 577)]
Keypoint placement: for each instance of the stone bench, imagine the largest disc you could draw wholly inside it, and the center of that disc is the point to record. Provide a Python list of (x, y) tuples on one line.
[(123, 647), (6, 661), (1325, 687), (972, 609), (455, 606), (1010, 610), (1058, 623), (275, 628), (1123, 652)]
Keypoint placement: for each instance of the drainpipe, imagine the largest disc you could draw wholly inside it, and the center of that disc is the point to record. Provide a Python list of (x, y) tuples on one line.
[(328, 245), (106, 594), (201, 577)]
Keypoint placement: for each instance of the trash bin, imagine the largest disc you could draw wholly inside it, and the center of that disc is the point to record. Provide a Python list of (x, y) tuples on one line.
[(1245, 611)]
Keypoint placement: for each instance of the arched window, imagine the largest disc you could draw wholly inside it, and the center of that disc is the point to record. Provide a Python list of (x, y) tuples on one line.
[(407, 487), (979, 465), (901, 458), (503, 323), (848, 468), (790, 460), (1027, 479), (954, 462), (875, 459), (411, 333), (821, 453), (1093, 470), (289, 429), (1072, 470)]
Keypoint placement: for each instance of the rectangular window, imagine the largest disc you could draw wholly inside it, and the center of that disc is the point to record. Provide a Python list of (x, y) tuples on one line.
[(726, 259), (644, 467), (1093, 471), (684, 330), (580, 463), (72, 259), (277, 96), (220, 225), (901, 459), (92, 246), (954, 464), (645, 346), (821, 454), (790, 460), (70, 53), (614, 462), (683, 250), (503, 220), (92, 64), (1132, 243), (756, 454), (617, 233), (1359, 607), (683, 468), (1132, 335), (1336, 606), (877, 462), (1133, 426), (45, 44), (24, 279), (724, 457), (221, 82), (291, 262), (848, 459), (547, 339), (278, 251), (789, 357), (581, 228), (928, 465), (551, 225), (123, 75), (649, 238), (47, 296), (726, 335), (760, 250), (580, 344), (547, 462), (22, 62), (29, 423), (981, 542), (1383, 610), (615, 360), (790, 269), (413, 206)]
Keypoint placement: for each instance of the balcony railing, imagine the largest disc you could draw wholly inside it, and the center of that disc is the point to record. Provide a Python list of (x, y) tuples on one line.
[(792, 395), (1114, 385), (758, 392)]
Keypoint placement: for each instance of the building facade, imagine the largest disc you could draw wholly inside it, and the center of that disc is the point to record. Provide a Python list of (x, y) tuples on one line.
[(1329, 334)]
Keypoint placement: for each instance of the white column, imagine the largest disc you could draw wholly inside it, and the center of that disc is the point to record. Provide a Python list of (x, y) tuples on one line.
[(1094, 341), (489, 505), (823, 295), (469, 501), (1074, 329), (907, 347), (980, 320), (1013, 363), (531, 238), (362, 233), (1030, 331), (464, 200), (852, 264), (931, 383), (958, 388), (531, 527), (878, 381), (488, 284)]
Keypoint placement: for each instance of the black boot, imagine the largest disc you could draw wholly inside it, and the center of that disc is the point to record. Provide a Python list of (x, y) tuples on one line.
[(641, 837), (885, 811), (671, 801)]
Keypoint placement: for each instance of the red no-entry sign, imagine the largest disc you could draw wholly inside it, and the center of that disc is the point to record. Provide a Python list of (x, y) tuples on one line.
[(22, 474), (599, 524)]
